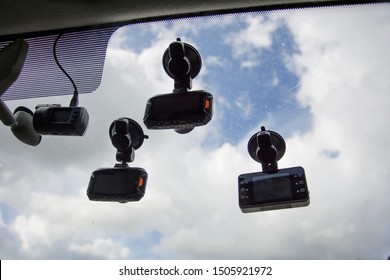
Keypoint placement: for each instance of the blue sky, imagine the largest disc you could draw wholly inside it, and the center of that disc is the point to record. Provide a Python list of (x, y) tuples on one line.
[(306, 74)]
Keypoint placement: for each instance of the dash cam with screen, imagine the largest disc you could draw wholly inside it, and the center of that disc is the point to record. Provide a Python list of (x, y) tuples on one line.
[(286, 188), (183, 110), (120, 184), (57, 120)]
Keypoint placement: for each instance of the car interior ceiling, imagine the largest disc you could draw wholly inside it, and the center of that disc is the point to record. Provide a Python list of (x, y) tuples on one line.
[(34, 18)]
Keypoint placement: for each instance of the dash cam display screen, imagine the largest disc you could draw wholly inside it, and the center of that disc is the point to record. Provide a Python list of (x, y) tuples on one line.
[(271, 187), (261, 191), (177, 106), (113, 183), (120, 184)]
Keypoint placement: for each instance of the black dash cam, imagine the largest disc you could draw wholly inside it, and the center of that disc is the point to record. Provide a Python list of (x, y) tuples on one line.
[(286, 188), (120, 184), (182, 110), (57, 120)]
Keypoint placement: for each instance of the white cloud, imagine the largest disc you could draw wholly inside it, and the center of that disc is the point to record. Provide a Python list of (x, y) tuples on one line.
[(2, 224), (343, 81), (214, 60), (248, 43), (33, 233), (275, 81), (244, 105), (101, 248)]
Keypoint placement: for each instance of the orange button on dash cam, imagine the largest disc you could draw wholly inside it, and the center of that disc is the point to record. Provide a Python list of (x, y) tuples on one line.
[(140, 182), (207, 104)]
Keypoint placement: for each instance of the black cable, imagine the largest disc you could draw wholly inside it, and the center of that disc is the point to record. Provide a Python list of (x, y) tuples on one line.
[(74, 102)]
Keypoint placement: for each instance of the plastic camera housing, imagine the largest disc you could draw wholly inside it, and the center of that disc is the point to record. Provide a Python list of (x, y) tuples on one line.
[(179, 110), (260, 191), (57, 120), (121, 184)]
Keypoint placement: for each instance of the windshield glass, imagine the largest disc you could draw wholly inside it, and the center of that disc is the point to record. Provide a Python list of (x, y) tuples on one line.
[(319, 77)]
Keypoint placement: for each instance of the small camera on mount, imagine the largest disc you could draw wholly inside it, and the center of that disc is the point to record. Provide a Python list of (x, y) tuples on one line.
[(273, 188), (121, 183), (287, 188), (181, 110), (52, 119)]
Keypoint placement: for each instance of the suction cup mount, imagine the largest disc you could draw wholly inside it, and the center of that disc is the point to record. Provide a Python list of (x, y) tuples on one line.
[(267, 147), (12, 58), (182, 62), (126, 136)]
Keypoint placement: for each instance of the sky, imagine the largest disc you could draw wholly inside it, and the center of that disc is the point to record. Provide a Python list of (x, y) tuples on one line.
[(319, 77)]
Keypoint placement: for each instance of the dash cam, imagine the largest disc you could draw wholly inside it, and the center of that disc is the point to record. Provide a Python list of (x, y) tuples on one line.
[(184, 110), (56, 120), (286, 188), (121, 184)]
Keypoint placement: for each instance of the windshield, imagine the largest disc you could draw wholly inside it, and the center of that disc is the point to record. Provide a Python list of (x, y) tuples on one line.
[(319, 77)]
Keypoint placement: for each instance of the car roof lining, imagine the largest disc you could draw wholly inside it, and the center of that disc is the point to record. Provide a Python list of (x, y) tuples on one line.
[(44, 17)]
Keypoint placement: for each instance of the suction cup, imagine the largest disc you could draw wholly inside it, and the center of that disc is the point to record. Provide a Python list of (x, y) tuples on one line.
[(136, 133), (24, 129), (276, 140), (192, 56)]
